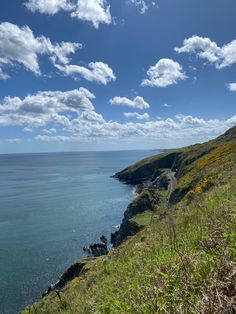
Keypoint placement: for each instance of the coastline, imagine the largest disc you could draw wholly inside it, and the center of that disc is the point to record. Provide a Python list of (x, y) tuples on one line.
[(145, 198), (175, 200), (80, 267)]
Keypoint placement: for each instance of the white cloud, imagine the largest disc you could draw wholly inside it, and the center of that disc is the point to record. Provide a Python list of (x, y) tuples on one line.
[(137, 115), (93, 11), (138, 102), (143, 5), (29, 130), (3, 76), (18, 45), (166, 105), (164, 73), (91, 116), (44, 108), (95, 72), (180, 128), (190, 120), (49, 131), (232, 87), (48, 6), (70, 116), (207, 49)]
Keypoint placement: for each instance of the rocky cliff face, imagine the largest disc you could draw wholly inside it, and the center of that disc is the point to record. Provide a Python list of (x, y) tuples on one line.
[(147, 200), (72, 272), (197, 168), (190, 165), (149, 169)]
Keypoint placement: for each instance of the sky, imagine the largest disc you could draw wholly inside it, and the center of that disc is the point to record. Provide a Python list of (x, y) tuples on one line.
[(84, 75)]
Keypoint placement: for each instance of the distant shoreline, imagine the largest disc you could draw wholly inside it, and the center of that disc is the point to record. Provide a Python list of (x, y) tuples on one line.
[(83, 151)]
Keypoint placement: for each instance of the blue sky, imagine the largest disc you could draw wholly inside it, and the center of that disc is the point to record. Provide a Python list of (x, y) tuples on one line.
[(105, 75)]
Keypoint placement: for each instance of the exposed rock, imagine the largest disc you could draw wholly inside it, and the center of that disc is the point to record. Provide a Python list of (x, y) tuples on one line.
[(147, 200), (104, 239), (149, 169), (140, 187), (97, 249), (72, 272), (161, 182)]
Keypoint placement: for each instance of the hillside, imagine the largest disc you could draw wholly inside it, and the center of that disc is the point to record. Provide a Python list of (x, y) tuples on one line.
[(181, 257)]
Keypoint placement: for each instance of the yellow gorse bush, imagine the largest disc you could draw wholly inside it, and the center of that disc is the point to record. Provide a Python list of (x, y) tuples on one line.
[(201, 187)]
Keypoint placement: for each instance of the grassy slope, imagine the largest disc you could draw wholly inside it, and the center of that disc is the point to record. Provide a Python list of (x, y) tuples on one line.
[(184, 261)]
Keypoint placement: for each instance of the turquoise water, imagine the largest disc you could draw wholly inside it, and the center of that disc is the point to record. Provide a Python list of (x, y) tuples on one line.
[(51, 205)]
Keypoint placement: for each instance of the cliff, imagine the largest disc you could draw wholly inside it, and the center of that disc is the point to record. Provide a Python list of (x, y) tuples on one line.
[(182, 258), (146, 201), (191, 164)]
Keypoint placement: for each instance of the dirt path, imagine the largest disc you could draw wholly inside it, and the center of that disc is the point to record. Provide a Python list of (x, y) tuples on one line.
[(172, 182)]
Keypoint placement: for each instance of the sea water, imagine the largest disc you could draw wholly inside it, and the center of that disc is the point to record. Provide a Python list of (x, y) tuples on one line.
[(51, 205)]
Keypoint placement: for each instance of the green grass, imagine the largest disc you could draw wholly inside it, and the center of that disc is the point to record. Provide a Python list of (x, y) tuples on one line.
[(183, 261), (163, 269), (143, 219)]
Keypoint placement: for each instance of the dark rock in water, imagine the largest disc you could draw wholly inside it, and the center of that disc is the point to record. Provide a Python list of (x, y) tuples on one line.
[(128, 229), (97, 249), (72, 272), (114, 236), (104, 239)]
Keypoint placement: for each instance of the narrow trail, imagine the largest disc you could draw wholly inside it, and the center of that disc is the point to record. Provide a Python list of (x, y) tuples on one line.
[(172, 180), (172, 183)]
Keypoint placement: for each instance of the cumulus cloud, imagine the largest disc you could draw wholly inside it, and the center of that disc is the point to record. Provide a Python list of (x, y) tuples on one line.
[(137, 115), (178, 128), (164, 73), (232, 87), (49, 131), (93, 11), (70, 116), (44, 108), (143, 5), (138, 102), (207, 49), (98, 72), (18, 45), (50, 7), (91, 116), (190, 120)]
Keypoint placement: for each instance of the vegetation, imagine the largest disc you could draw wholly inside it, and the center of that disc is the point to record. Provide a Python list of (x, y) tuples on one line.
[(143, 219), (183, 260)]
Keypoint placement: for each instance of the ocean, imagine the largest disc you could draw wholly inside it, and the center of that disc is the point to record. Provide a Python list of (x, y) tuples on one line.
[(51, 205)]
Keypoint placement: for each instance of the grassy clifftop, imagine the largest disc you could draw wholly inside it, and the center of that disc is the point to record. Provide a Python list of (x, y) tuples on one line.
[(184, 259), (198, 166)]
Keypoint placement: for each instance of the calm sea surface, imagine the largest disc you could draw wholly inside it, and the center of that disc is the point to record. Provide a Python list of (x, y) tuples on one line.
[(51, 205)]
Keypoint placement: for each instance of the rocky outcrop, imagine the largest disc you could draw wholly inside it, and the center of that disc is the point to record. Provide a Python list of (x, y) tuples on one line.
[(147, 200), (79, 268), (161, 182), (72, 272), (97, 249), (148, 169)]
